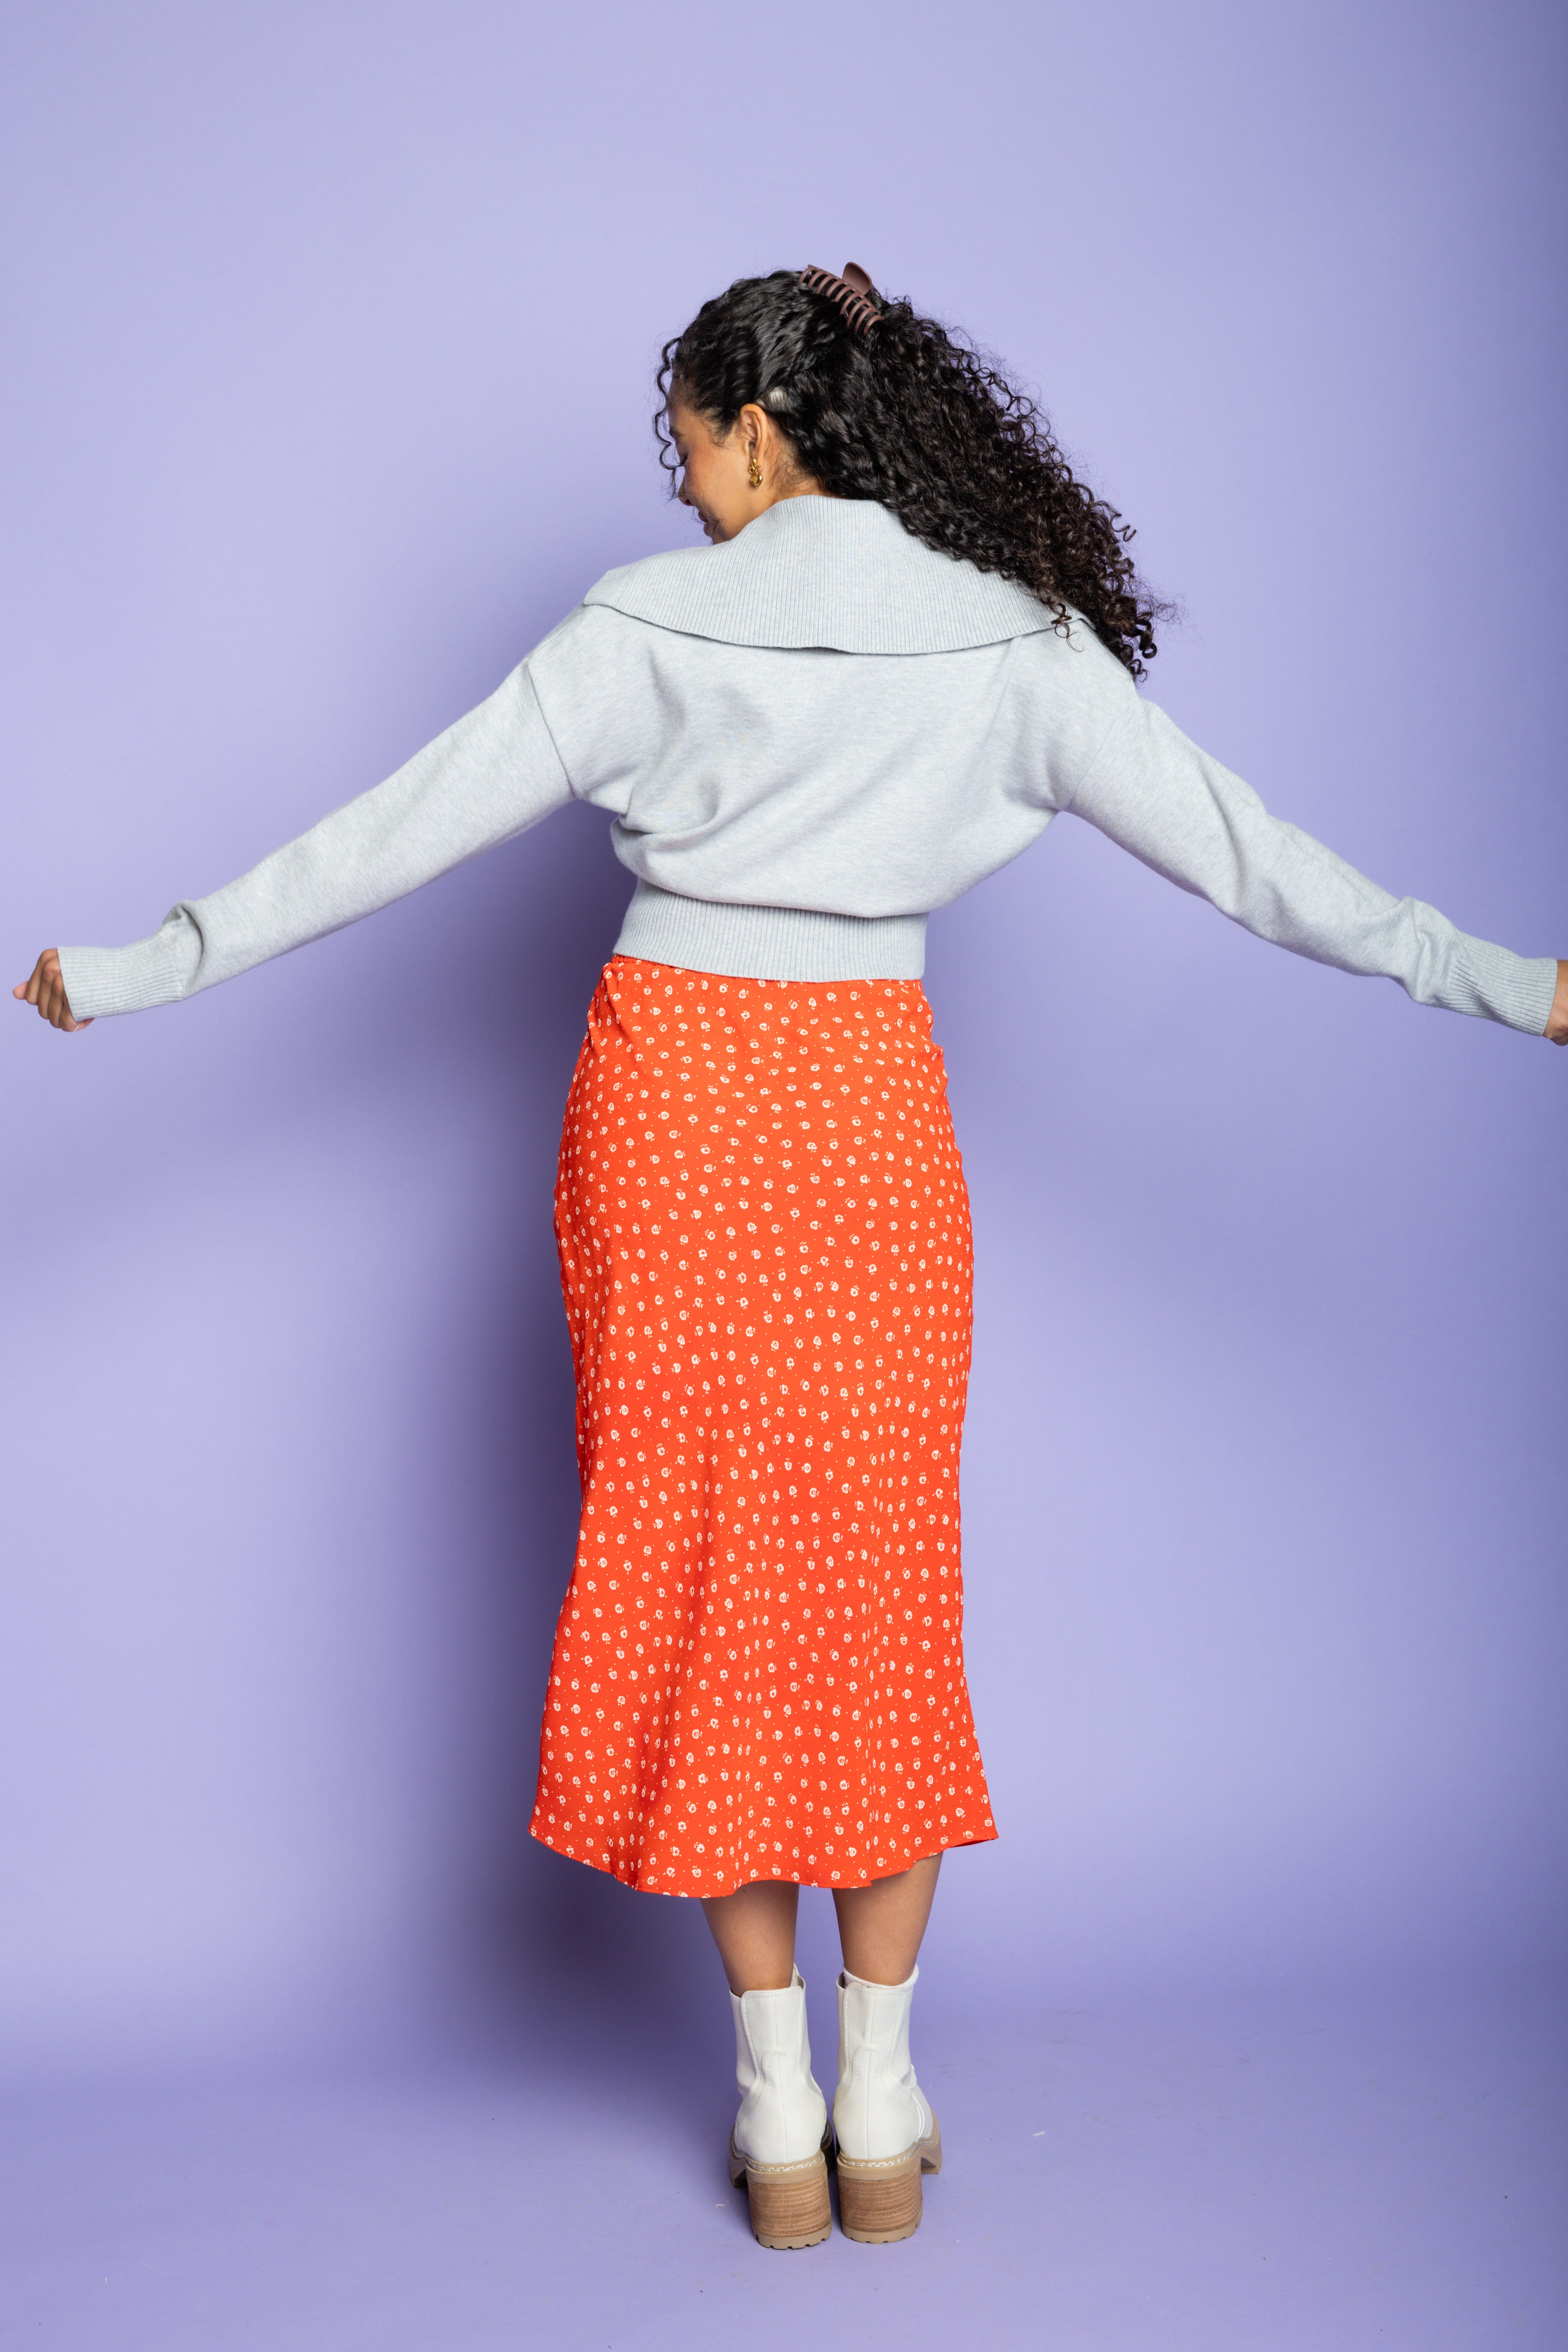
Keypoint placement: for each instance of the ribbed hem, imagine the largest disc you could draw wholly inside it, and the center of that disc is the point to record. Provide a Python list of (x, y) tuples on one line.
[(770, 942)]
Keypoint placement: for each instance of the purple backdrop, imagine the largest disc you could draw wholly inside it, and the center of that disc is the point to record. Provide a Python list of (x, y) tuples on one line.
[(333, 337)]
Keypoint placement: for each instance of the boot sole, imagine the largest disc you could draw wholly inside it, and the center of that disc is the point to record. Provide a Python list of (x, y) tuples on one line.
[(879, 2198), (789, 2203)]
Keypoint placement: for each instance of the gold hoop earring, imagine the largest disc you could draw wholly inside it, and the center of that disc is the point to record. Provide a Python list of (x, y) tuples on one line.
[(755, 475)]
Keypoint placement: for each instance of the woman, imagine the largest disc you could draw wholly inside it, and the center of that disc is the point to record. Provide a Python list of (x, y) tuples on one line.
[(916, 641)]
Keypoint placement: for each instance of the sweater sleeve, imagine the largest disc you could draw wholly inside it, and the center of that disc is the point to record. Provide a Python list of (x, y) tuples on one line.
[(491, 775), (1157, 794)]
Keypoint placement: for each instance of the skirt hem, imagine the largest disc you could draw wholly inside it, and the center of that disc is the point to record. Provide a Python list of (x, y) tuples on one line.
[(836, 1884)]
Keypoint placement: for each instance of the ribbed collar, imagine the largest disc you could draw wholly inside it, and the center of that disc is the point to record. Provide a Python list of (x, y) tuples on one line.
[(840, 572)]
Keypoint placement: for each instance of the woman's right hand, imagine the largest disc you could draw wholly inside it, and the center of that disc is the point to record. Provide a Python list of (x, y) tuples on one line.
[(46, 990), (1557, 1019)]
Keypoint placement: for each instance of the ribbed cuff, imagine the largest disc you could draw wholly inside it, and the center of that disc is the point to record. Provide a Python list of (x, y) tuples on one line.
[(128, 979), (1512, 988), (770, 942)]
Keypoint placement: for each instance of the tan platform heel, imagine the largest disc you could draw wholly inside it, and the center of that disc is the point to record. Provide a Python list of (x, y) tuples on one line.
[(789, 2202), (880, 2197)]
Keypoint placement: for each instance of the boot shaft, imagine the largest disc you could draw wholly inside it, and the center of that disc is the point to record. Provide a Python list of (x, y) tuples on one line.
[(878, 2110), (783, 2113)]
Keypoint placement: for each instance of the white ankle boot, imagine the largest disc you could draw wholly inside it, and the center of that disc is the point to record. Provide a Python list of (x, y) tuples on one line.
[(779, 2145), (888, 2136)]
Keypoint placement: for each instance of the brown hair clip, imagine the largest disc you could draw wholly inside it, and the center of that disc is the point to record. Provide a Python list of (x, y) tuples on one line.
[(851, 293)]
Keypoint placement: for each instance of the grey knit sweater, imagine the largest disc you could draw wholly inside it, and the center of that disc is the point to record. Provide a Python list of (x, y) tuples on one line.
[(808, 739)]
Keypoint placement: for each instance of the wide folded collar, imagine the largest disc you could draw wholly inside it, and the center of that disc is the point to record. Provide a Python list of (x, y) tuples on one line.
[(820, 572)]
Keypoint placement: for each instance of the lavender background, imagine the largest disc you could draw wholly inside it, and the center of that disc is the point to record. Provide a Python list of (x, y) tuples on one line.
[(333, 329)]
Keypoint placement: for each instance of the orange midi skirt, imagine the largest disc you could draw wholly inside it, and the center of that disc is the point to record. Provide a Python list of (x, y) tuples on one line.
[(765, 1254)]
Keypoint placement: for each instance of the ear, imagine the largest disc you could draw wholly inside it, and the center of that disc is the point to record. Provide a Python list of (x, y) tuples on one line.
[(756, 430), (764, 442)]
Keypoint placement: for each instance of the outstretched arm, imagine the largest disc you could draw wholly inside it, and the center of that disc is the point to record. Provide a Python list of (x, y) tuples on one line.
[(491, 775), (1160, 796)]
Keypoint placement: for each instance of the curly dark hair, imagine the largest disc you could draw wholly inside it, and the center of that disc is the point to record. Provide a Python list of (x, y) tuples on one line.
[(910, 417)]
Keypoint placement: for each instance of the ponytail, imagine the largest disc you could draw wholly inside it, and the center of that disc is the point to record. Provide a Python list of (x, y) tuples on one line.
[(879, 403)]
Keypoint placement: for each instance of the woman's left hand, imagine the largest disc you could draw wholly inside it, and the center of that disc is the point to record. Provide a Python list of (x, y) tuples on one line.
[(1557, 1019)]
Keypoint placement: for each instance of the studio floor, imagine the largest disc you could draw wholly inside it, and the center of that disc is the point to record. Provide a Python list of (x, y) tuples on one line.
[(1280, 2174)]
